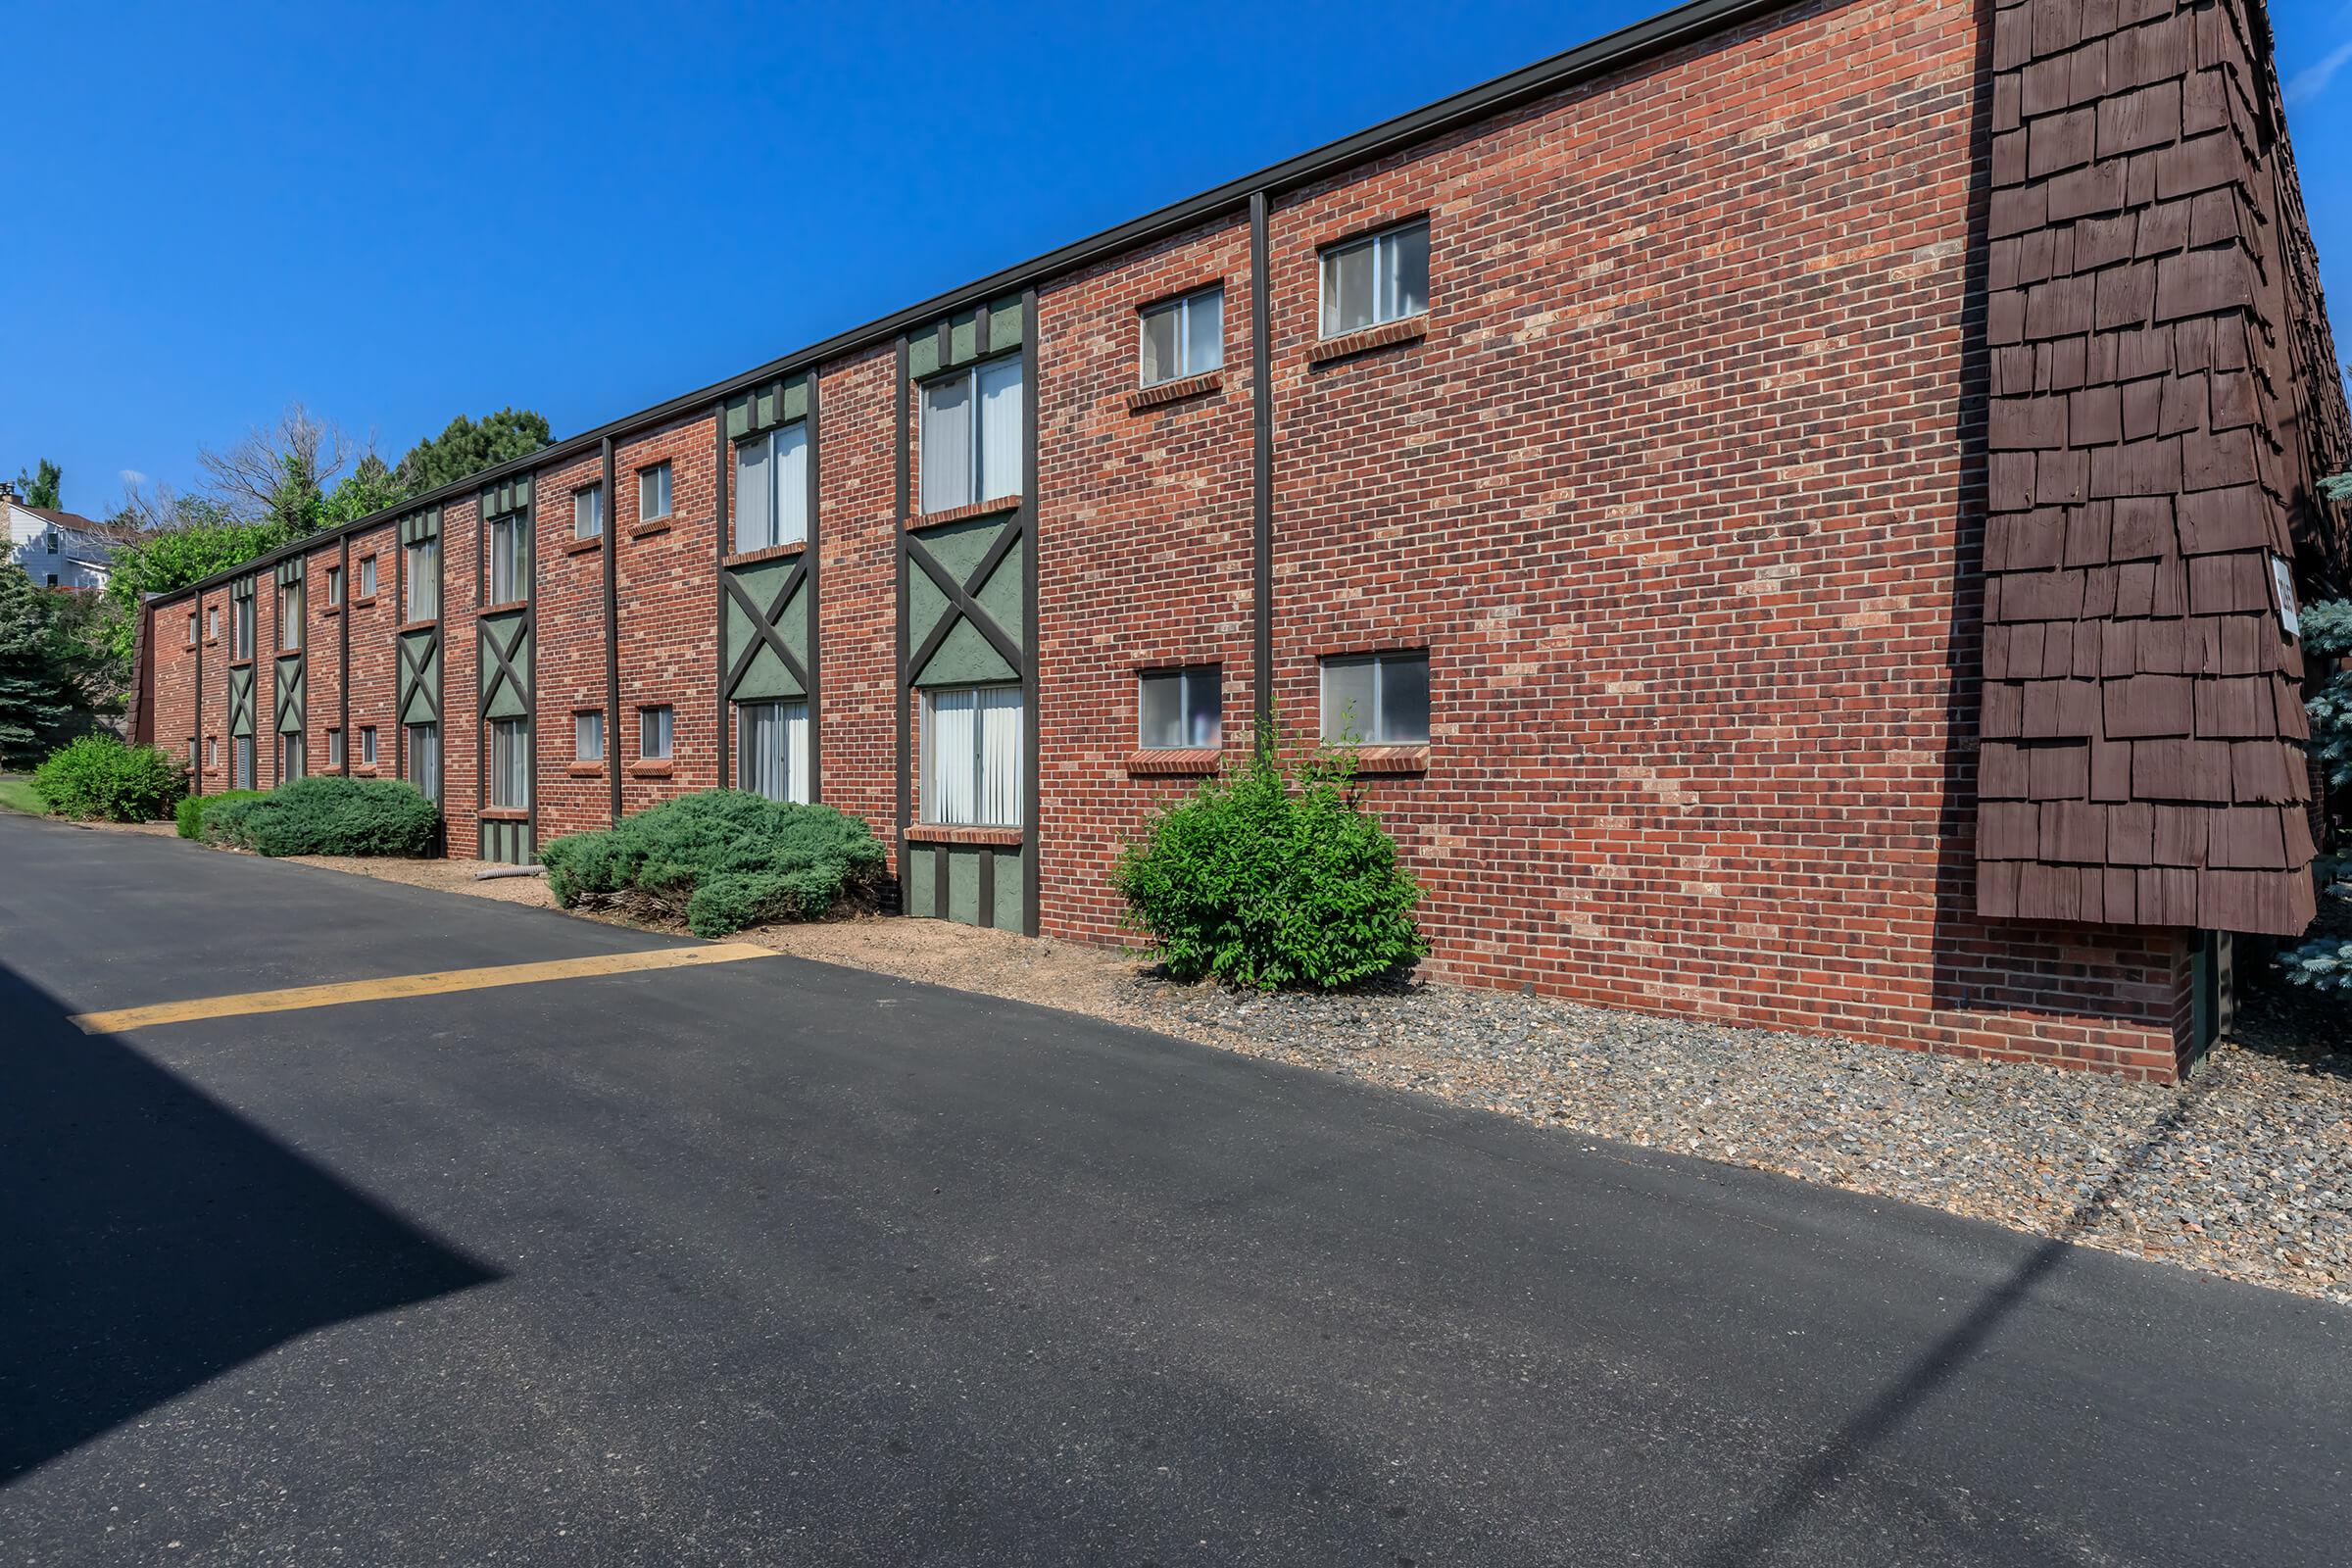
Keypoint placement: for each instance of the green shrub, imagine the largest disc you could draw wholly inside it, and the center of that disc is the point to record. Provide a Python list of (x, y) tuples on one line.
[(189, 814), (98, 776), (722, 859), (325, 814), (1269, 880)]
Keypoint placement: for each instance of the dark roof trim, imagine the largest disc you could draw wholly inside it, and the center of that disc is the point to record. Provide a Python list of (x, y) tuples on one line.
[(1626, 46)]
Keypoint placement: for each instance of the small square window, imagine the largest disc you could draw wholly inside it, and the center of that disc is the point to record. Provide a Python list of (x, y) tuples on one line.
[(1378, 278), (367, 744), (367, 576), (1183, 337), (653, 733), (1377, 699), (653, 493), (1180, 709), (588, 513), (588, 737)]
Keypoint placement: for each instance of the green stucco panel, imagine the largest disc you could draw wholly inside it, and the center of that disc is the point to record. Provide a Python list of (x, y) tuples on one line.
[(768, 675), (287, 694), (1011, 884), (1004, 323), (921, 878), (507, 842), (240, 700), (966, 657), (505, 696), (1006, 866), (421, 692), (765, 408), (964, 885)]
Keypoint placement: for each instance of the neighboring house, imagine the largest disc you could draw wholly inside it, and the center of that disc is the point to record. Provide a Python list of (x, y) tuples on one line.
[(1797, 509), (56, 549)]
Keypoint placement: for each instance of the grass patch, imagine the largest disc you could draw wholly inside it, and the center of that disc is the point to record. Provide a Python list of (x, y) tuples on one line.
[(16, 795)]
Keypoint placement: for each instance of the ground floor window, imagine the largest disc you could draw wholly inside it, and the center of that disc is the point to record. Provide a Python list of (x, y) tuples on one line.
[(511, 763), (240, 762), (335, 749), (653, 734), (290, 755), (191, 754), (771, 750), (424, 760), (367, 744), (1377, 699), (972, 756)]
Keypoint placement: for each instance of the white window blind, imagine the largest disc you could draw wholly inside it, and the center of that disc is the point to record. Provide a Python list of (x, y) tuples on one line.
[(509, 561), (771, 488), (588, 737), (653, 733), (511, 763), (771, 746), (972, 435), (421, 563), (972, 756), (424, 760)]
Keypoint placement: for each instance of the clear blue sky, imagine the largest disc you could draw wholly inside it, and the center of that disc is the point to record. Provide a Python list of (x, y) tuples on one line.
[(398, 213)]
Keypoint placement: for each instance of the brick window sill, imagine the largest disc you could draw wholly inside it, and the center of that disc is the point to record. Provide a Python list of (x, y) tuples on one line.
[(367, 603), (584, 547), (506, 813), (1190, 760), (235, 662), (656, 767), (941, 833), (330, 610), (505, 606), (586, 771), (650, 527), (212, 642), (433, 624), (1176, 391), (364, 771), (1392, 758), (752, 557), (978, 509), (1387, 333)]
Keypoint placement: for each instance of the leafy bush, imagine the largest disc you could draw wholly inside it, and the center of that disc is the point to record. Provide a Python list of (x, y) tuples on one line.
[(189, 814), (325, 814), (1270, 880), (722, 858), (98, 776)]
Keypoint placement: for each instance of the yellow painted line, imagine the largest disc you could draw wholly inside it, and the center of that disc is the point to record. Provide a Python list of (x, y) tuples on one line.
[(392, 987)]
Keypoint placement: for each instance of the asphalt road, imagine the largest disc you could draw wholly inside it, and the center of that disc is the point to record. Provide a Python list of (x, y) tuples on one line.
[(772, 1262)]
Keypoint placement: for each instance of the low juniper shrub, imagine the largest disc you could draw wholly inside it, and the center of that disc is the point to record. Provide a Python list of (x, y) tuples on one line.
[(99, 777), (325, 814), (189, 814), (1272, 879), (720, 860)]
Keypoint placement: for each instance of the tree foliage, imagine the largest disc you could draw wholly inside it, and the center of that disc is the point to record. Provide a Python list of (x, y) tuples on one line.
[(470, 446), (52, 685), (98, 776), (43, 489), (369, 487), (161, 562)]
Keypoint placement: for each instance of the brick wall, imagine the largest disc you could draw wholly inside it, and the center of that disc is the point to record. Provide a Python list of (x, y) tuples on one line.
[(375, 653), (569, 654), (668, 611), (857, 586)]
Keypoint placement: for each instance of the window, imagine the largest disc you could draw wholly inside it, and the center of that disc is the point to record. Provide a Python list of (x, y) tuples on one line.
[(1377, 699), (588, 513), (771, 750), (191, 754), (972, 435), (509, 561), (1380, 277), (335, 585), (588, 737), (211, 751), (1183, 337), (972, 756), (367, 744), (420, 566), (212, 620), (53, 579), (511, 763), (241, 628), (771, 488), (289, 616), (289, 756), (51, 536), (424, 760), (1180, 706), (653, 493), (653, 733), (334, 750), (367, 576), (240, 762), (191, 628)]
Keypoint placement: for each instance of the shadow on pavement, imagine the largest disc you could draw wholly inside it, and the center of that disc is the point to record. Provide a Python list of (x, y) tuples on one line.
[(150, 1237)]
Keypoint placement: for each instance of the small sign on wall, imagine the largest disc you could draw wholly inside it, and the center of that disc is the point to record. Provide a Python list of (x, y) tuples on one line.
[(2282, 579)]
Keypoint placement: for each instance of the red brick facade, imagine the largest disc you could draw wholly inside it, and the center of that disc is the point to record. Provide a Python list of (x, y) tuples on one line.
[(1680, 482)]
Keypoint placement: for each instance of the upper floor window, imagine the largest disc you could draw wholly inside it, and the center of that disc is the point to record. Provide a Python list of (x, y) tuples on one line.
[(653, 493), (335, 585), (191, 628), (972, 434), (1380, 278), (367, 576), (289, 616), (1180, 708), (1183, 337), (51, 536), (240, 627), (588, 513), (509, 561), (420, 570), (1377, 699), (771, 488), (212, 620)]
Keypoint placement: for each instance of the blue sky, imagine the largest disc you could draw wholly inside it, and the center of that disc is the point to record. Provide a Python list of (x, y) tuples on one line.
[(396, 214)]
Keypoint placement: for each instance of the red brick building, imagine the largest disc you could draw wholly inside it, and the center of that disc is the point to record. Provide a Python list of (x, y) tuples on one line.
[(1798, 505)]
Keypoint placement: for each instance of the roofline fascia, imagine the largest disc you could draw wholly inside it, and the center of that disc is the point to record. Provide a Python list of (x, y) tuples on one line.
[(1627, 46)]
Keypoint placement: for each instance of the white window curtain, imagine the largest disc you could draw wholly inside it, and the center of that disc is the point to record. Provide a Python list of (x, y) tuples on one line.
[(972, 756), (424, 760), (771, 489), (772, 749), (972, 435), (510, 568), (947, 443), (422, 568)]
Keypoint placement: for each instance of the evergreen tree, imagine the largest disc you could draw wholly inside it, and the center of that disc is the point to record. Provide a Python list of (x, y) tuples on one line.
[(368, 487), (44, 488), (48, 673), (468, 447)]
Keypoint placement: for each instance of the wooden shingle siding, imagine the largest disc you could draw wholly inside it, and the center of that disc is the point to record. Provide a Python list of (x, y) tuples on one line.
[(2141, 761)]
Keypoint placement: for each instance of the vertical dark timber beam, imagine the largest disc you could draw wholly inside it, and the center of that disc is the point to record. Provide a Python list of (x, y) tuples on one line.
[(1261, 476), (814, 617), (721, 525), (1032, 658), (474, 699), (343, 655), (196, 778), (612, 555), (528, 523), (899, 695)]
